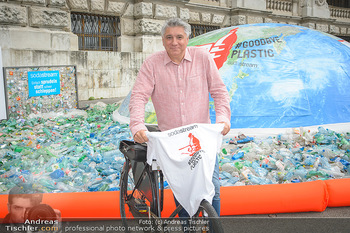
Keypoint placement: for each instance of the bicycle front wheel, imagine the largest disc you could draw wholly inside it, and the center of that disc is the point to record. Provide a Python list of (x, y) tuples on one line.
[(206, 219)]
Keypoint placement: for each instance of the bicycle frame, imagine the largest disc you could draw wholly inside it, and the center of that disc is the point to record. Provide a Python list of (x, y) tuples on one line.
[(141, 184), (147, 185)]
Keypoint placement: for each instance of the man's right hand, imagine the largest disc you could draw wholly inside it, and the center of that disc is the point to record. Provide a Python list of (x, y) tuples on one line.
[(140, 136)]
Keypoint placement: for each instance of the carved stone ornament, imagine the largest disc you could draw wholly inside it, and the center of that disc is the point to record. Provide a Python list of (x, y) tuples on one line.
[(320, 2), (305, 3)]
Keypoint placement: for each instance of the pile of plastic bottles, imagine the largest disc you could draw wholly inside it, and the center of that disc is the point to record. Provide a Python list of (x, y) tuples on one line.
[(72, 152), (296, 157), (77, 151)]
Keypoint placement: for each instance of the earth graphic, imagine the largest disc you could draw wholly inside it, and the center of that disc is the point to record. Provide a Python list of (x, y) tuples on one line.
[(277, 75)]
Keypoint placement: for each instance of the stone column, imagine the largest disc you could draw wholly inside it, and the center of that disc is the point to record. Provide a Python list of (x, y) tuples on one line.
[(149, 18), (314, 8), (126, 41), (251, 4), (295, 7)]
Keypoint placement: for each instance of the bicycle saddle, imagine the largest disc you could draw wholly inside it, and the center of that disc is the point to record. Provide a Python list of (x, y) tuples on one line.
[(134, 151)]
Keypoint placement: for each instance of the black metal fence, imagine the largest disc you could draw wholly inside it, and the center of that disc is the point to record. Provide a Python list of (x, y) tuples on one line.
[(198, 29)]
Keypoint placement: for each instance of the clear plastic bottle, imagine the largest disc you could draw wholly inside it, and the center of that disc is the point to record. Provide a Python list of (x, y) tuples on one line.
[(262, 172), (48, 184), (258, 180)]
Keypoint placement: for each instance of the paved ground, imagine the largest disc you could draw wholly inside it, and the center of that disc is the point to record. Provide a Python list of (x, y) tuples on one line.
[(332, 220), (329, 221)]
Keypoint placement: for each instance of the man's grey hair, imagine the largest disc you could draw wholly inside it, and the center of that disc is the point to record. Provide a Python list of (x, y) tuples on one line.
[(176, 22)]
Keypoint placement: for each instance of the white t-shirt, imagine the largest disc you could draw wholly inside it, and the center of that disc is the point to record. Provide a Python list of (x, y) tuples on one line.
[(187, 155)]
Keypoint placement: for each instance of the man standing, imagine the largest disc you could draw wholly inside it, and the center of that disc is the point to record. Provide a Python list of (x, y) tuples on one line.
[(179, 81)]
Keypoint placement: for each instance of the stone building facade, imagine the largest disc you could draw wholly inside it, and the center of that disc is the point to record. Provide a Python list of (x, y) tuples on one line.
[(39, 33)]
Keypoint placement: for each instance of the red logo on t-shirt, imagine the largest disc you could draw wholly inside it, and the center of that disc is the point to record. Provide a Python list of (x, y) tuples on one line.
[(193, 147)]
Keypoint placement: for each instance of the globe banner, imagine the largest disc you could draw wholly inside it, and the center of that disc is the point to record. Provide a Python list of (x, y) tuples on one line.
[(278, 75)]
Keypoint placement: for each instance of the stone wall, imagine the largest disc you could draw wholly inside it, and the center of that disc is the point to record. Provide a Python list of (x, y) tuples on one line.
[(99, 74), (36, 24), (38, 32)]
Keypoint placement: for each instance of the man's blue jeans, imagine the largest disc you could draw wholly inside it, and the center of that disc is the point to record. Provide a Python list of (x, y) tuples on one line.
[(216, 199)]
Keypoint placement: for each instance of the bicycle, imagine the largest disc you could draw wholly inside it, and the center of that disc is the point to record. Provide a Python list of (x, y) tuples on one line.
[(142, 196)]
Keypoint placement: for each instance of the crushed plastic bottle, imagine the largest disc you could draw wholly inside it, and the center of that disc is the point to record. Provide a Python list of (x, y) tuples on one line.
[(57, 174), (258, 180), (238, 155)]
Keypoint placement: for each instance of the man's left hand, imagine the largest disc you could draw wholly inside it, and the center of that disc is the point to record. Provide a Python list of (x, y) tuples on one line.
[(226, 128)]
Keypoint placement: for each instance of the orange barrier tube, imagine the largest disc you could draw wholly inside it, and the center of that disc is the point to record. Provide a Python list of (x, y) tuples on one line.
[(85, 205), (3, 206), (78, 206), (274, 198), (237, 200), (82, 206), (339, 192)]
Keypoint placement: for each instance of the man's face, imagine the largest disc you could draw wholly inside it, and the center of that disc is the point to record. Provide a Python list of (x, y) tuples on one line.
[(18, 208), (175, 42)]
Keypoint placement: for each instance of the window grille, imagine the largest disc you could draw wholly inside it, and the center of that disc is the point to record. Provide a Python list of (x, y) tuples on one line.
[(339, 3), (96, 32), (198, 29)]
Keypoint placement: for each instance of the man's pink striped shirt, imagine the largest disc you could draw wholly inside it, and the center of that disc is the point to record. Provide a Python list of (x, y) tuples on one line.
[(179, 92)]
